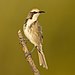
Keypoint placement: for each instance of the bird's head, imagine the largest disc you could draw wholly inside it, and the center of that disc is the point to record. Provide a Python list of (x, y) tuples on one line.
[(34, 13), (33, 16)]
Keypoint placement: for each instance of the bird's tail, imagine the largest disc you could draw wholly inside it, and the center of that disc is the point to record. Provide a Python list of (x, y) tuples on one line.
[(42, 60)]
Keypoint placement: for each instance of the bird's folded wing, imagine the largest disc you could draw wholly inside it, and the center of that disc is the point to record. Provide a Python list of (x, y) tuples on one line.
[(37, 30)]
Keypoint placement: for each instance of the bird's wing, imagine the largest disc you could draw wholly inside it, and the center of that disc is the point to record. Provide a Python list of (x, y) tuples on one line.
[(37, 30)]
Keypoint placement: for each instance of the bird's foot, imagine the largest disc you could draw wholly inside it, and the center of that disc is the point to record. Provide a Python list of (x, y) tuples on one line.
[(27, 54)]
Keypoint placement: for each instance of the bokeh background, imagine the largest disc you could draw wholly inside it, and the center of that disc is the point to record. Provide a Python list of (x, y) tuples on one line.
[(58, 25)]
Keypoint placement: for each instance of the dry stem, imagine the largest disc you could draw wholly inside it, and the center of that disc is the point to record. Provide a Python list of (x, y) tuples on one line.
[(27, 54)]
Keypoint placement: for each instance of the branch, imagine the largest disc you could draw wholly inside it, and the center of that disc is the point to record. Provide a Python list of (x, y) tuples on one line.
[(27, 54)]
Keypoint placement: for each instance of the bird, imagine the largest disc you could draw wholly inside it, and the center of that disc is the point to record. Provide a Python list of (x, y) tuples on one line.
[(33, 31)]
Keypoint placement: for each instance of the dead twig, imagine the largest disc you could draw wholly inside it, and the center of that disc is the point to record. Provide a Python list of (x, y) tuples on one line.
[(27, 54)]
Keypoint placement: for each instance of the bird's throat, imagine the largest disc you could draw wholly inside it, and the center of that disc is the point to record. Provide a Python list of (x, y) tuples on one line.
[(30, 21)]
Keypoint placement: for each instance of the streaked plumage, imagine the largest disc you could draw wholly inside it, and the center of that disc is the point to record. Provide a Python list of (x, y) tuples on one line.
[(33, 32)]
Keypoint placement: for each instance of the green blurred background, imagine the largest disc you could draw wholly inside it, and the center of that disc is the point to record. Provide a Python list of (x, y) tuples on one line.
[(59, 36)]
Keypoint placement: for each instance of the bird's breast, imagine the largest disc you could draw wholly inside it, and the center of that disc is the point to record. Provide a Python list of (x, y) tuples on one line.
[(30, 36), (27, 33)]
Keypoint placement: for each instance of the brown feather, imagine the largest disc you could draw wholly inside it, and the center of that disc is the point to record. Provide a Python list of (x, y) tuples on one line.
[(36, 31)]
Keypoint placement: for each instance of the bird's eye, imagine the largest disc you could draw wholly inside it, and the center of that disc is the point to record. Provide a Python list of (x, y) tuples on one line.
[(34, 12)]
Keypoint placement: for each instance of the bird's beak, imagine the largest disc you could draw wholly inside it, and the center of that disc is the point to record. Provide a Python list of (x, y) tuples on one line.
[(41, 11)]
